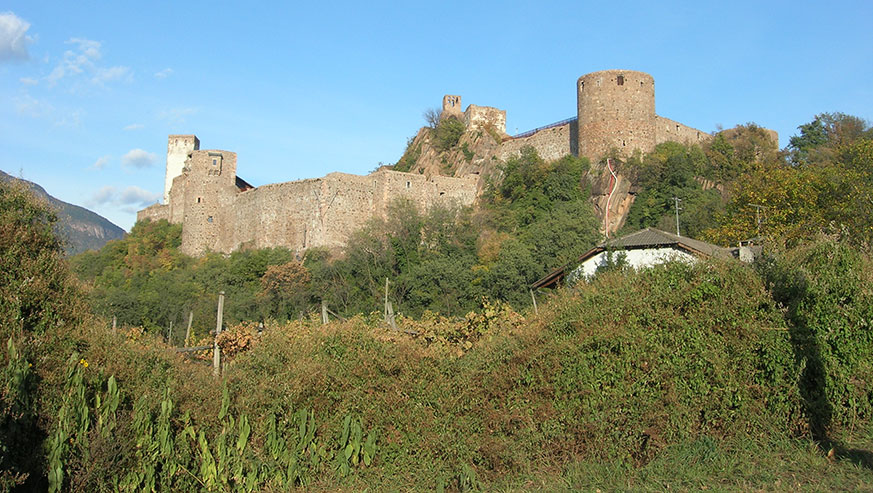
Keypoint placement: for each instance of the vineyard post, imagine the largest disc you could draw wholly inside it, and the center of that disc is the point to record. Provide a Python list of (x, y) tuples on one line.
[(188, 330), (216, 351)]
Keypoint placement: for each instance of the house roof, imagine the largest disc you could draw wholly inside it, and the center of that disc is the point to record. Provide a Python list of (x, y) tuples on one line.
[(646, 238)]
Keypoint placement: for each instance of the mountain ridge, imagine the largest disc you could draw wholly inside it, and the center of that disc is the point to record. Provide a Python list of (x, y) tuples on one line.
[(79, 228)]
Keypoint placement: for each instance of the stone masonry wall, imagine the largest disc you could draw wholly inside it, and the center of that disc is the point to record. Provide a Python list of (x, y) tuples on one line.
[(550, 143), (323, 212), (668, 130), (616, 109), (209, 190), (154, 212), (178, 148), (479, 117)]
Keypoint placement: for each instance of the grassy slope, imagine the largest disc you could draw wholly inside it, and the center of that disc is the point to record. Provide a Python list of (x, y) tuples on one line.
[(679, 378)]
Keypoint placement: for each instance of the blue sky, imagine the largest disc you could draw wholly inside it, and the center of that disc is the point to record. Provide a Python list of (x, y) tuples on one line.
[(89, 91)]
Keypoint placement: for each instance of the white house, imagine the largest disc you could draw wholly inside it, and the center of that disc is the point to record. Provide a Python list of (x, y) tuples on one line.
[(644, 248)]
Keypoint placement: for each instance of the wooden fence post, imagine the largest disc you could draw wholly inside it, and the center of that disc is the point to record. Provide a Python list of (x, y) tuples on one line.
[(216, 351), (389, 309), (170, 334), (113, 324), (324, 319), (188, 330), (534, 298)]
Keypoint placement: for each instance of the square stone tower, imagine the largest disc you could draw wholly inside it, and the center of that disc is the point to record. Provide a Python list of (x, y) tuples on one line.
[(178, 149)]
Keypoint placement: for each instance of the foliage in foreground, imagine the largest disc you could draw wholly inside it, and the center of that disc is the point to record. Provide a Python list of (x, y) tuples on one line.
[(629, 370), (626, 371)]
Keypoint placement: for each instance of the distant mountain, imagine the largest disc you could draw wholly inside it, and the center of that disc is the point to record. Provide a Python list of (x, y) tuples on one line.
[(80, 228)]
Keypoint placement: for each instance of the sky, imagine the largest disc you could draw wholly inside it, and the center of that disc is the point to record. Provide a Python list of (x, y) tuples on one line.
[(89, 91)]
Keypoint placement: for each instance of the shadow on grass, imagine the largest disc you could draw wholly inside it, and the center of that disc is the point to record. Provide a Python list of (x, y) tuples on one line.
[(813, 381)]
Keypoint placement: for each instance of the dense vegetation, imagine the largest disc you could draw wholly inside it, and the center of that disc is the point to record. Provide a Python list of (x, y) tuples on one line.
[(441, 261), (822, 183), (716, 375)]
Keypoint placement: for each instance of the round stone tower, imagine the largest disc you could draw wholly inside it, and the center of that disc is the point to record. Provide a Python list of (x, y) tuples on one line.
[(616, 109)]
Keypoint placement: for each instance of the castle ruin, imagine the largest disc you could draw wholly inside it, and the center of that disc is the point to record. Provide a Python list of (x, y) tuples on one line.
[(615, 112), (220, 212)]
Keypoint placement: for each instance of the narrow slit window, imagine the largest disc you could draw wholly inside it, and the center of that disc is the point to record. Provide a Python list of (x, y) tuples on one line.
[(408, 185), (620, 80), (198, 200)]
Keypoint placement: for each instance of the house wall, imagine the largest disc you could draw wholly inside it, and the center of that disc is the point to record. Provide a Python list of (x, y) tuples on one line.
[(638, 259)]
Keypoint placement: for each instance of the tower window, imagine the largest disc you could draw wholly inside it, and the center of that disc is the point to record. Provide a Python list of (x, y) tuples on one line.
[(620, 80), (215, 162), (408, 185), (198, 200), (209, 219)]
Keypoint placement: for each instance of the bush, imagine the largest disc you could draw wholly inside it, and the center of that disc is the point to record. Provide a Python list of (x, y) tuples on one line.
[(448, 132), (37, 301), (826, 289)]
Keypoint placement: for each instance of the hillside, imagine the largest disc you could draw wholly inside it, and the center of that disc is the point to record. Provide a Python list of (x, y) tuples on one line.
[(80, 229)]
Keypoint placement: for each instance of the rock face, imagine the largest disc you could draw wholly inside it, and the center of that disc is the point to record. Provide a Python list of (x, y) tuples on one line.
[(482, 153), (611, 210), (79, 228)]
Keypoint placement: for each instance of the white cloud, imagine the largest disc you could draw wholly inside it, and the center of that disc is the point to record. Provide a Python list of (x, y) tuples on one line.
[(138, 158), (83, 60), (101, 162), (137, 196), (163, 74), (27, 105), (76, 61), (103, 196), (28, 81), (129, 199), (13, 37), (134, 126), (103, 75)]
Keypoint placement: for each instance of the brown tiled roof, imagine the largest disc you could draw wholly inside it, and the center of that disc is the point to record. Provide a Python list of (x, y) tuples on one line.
[(646, 238), (651, 237)]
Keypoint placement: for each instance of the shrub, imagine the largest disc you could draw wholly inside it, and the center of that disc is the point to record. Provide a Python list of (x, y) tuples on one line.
[(826, 289), (448, 132)]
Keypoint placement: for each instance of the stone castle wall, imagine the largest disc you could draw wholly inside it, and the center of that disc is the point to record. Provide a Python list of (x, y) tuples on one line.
[(550, 143), (481, 117), (219, 215), (616, 110), (668, 130), (154, 212), (178, 148)]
